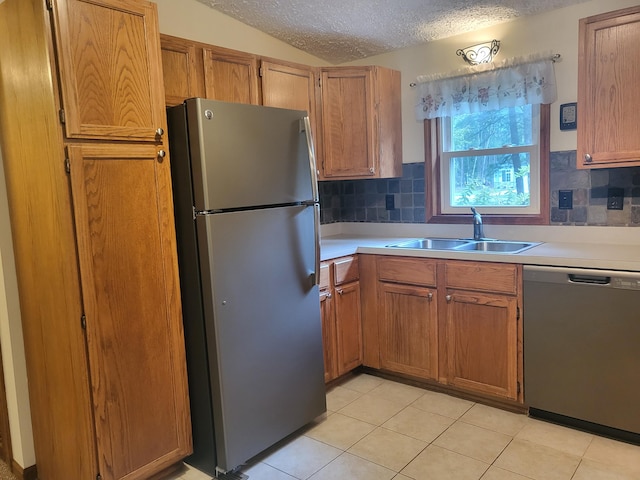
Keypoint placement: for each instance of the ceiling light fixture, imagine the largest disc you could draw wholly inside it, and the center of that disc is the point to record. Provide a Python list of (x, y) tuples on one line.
[(480, 53)]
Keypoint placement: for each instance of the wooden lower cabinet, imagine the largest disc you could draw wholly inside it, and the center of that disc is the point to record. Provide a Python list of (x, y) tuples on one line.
[(408, 326), (447, 321), (341, 316), (407, 316), (481, 339)]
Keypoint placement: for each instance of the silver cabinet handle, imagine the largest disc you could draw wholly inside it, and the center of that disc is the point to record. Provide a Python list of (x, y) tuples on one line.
[(160, 131), (587, 158), (448, 298), (430, 296), (161, 155)]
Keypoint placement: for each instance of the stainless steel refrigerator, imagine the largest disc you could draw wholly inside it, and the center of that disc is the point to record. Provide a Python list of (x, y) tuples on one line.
[(247, 217)]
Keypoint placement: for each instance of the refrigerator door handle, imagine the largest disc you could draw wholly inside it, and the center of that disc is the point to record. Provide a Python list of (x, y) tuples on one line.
[(306, 126), (316, 217)]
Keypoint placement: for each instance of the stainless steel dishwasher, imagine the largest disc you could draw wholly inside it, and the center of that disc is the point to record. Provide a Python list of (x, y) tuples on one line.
[(582, 348)]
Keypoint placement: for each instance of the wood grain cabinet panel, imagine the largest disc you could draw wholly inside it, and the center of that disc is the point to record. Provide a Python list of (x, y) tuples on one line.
[(481, 328), (341, 316), (482, 342), (181, 69), (408, 326), (294, 86), (608, 97), (361, 123), (348, 326), (110, 69), (230, 76), (453, 322), (129, 294)]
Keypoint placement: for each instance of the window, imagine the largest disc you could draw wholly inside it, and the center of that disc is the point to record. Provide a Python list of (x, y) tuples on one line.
[(494, 160), (490, 160), (487, 141)]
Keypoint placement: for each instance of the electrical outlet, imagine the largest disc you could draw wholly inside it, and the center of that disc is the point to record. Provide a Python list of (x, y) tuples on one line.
[(565, 199), (389, 202), (615, 198)]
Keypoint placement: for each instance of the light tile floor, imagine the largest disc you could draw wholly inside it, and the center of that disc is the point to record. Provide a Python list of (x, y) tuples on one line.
[(376, 429)]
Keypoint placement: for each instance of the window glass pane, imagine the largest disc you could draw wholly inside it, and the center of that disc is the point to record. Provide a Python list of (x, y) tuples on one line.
[(490, 180), (492, 129)]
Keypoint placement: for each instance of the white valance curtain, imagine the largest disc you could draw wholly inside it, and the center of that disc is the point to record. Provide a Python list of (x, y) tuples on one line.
[(488, 87)]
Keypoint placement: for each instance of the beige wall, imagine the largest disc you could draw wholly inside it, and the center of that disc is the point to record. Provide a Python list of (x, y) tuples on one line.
[(553, 32), (15, 371)]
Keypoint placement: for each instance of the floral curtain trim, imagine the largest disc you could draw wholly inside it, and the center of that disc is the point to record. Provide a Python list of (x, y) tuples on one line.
[(506, 86)]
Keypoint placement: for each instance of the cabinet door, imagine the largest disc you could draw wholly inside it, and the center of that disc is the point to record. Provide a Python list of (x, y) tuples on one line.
[(408, 326), (125, 231), (230, 76), (182, 77), (288, 86), (348, 326), (481, 336), (608, 97), (328, 335), (348, 132), (110, 69)]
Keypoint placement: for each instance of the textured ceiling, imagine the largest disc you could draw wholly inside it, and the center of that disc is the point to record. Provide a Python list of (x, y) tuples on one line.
[(343, 30)]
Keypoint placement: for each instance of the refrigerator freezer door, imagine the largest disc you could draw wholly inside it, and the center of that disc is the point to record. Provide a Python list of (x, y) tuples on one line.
[(247, 155), (262, 319)]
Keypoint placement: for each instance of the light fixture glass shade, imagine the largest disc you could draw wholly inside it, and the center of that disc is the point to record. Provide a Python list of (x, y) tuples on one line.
[(480, 53)]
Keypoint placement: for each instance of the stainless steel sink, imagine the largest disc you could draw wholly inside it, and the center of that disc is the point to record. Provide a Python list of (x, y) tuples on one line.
[(498, 246), (495, 246), (432, 243)]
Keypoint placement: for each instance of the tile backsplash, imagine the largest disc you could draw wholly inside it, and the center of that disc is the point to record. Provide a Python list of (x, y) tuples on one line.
[(402, 200)]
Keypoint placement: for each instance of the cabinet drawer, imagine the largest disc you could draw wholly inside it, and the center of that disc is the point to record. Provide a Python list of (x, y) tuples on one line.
[(324, 276), (345, 270), (412, 271), (482, 276)]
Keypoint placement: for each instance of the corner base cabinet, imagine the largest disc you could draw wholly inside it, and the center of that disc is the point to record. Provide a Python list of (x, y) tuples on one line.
[(341, 316), (82, 129)]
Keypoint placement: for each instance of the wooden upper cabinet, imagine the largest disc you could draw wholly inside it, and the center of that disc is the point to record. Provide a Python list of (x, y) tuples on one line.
[(608, 97), (110, 69), (289, 85), (230, 76), (361, 123), (123, 212), (181, 69)]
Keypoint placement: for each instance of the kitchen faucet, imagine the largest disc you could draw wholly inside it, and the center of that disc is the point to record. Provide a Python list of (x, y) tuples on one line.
[(478, 233)]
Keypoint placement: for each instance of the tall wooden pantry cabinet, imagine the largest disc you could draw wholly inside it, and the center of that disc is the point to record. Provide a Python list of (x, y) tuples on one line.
[(82, 132)]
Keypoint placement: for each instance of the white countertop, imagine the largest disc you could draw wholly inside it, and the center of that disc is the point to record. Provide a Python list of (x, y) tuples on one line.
[(587, 249)]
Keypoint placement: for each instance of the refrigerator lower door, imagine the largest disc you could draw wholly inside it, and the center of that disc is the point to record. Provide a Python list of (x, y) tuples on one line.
[(262, 322)]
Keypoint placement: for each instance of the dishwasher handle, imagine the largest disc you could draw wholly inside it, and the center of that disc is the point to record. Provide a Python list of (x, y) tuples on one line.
[(590, 279)]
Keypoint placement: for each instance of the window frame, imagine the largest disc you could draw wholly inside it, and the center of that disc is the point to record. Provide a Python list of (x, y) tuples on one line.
[(433, 198)]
